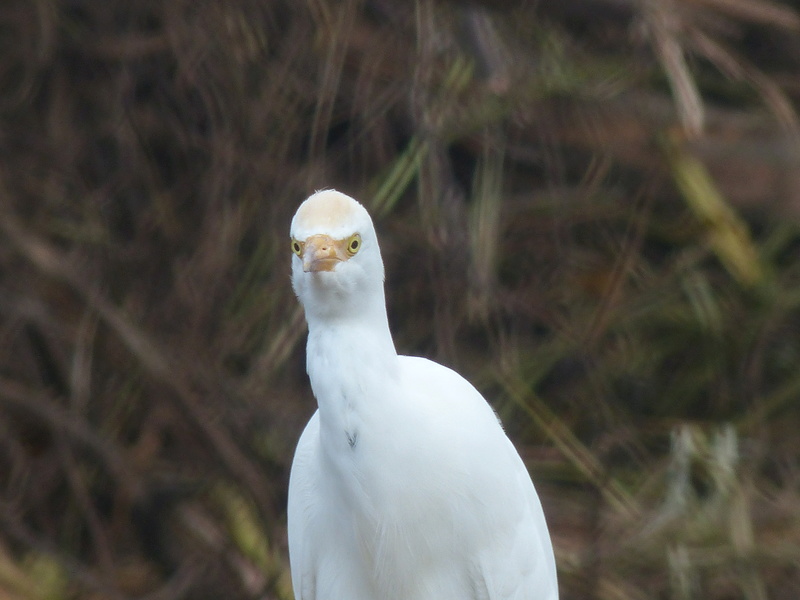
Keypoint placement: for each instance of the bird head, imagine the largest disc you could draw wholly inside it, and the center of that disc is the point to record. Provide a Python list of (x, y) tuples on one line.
[(336, 262)]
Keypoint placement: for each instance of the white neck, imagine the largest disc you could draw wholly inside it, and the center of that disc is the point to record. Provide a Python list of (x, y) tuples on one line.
[(351, 360)]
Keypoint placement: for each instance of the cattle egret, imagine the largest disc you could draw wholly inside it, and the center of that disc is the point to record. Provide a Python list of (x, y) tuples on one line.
[(404, 485)]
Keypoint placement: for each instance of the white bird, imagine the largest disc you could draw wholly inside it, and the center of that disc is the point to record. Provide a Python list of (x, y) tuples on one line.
[(404, 485)]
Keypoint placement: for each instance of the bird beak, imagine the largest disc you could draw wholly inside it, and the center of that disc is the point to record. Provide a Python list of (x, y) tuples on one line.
[(322, 253)]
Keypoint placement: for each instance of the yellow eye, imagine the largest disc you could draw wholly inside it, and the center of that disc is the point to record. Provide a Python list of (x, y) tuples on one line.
[(297, 247), (353, 244)]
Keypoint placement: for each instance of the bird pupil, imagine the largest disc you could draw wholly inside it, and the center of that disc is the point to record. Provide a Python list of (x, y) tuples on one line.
[(354, 244)]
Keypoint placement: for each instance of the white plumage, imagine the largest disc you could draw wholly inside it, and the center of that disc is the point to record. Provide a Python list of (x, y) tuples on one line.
[(404, 485)]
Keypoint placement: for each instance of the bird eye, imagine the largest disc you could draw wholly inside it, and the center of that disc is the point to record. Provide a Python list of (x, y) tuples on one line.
[(353, 244), (297, 248)]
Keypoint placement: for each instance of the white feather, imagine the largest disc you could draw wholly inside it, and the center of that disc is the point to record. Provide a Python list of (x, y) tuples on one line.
[(404, 485)]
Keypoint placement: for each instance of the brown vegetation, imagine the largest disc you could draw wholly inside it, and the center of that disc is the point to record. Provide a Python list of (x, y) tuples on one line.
[(591, 208)]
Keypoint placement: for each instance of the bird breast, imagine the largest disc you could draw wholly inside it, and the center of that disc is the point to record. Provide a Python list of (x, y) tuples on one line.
[(419, 466)]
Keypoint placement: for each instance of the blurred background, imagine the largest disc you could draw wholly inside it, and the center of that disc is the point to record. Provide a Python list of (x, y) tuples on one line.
[(590, 208)]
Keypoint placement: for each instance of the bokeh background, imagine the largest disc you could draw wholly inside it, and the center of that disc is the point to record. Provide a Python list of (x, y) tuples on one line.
[(590, 208)]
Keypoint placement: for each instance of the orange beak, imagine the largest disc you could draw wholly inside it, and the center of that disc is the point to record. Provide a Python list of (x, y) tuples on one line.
[(323, 253)]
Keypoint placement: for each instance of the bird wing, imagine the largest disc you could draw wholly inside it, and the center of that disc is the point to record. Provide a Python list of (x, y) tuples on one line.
[(503, 528), (521, 565), (302, 509)]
